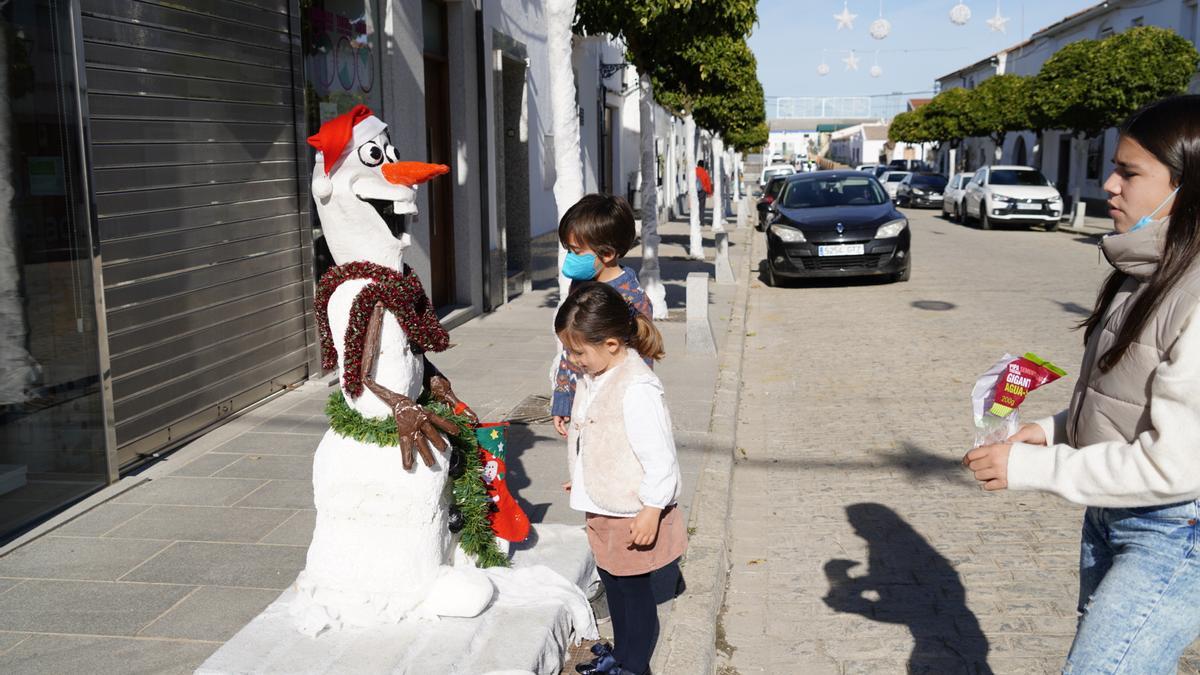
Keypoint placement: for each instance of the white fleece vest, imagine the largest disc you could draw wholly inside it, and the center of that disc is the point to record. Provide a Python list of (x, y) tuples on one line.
[(613, 471), (1115, 405)]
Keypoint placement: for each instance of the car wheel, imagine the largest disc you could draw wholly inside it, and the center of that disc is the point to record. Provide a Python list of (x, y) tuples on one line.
[(906, 274), (985, 223), (1052, 226), (771, 280)]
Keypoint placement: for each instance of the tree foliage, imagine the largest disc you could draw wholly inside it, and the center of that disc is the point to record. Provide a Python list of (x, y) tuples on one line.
[(1091, 85), (997, 106), (695, 53)]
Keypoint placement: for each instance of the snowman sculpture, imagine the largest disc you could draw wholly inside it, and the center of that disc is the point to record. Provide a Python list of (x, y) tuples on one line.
[(381, 549)]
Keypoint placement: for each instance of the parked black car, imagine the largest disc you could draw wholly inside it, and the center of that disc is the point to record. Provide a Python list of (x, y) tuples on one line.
[(836, 224), (769, 195), (921, 189)]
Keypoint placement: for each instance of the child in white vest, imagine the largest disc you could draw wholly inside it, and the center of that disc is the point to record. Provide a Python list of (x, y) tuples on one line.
[(624, 473)]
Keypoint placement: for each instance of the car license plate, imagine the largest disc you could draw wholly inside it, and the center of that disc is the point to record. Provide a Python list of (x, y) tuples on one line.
[(840, 249), (1029, 207)]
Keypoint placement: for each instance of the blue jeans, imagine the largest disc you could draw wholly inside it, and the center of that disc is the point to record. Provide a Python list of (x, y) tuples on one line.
[(1139, 590)]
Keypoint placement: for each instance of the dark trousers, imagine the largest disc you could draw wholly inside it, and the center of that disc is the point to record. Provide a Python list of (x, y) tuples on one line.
[(703, 197), (634, 618)]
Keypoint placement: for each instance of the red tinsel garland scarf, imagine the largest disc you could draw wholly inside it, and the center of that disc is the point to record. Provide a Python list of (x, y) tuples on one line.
[(401, 293)]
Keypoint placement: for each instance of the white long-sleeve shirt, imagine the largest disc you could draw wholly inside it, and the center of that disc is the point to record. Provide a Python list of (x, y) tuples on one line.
[(1160, 466), (648, 428)]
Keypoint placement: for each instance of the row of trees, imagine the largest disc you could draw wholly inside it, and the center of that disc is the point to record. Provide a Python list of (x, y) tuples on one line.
[(692, 59), (1086, 87)]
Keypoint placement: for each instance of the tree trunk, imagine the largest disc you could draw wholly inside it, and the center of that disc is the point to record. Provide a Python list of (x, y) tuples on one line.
[(651, 277), (696, 243), (671, 193), (568, 162), (718, 209), (18, 370)]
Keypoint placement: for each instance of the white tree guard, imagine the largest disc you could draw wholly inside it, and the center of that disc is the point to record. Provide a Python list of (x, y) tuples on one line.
[(18, 370), (568, 163), (696, 241), (718, 160), (672, 178), (651, 276)]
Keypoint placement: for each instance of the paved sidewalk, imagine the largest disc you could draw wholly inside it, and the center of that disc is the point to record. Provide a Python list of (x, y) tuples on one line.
[(156, 572)]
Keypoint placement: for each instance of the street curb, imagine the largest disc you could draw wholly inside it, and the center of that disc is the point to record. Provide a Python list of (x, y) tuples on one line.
[(688, 645)]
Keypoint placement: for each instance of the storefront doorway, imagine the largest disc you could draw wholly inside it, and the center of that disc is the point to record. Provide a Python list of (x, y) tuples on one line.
[(437, 139)]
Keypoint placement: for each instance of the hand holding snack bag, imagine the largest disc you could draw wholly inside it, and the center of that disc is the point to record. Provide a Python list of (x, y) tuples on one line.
[(1001, 390)]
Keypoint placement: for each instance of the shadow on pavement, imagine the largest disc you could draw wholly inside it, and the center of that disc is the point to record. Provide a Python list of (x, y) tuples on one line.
[(908, 582), (521, 439), (914, 461), (1073, 308), (822, 282)]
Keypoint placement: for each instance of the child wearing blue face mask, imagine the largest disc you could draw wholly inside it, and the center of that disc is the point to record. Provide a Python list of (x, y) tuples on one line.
[(597, 231)]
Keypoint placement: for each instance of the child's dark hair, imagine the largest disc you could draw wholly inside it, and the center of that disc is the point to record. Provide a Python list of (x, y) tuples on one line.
[(603, 223), (595, 312)]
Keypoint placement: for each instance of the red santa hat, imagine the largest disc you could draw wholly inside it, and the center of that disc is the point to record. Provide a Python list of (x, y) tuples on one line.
[(345, 132)]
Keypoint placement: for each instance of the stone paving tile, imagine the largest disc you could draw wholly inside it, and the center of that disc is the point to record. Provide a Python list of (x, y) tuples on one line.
[(10, 640), (61, 654), (281, 494), (78, 558), (188, 491), (206, 465), (86, 607), (101, 519), (211, 613), (258, 443), (213, 564), (870, 535), (201, 523), (269, 467), (297, 530)]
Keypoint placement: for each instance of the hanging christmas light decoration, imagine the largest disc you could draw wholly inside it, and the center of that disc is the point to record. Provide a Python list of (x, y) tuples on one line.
[(823, 69), (851, 61), (876, 71), (960, 14), (881, 27), (845, 19), (998, 23)]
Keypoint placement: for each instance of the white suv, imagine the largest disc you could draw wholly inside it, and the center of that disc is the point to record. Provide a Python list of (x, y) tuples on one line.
[(1017, 195), (773, 171)]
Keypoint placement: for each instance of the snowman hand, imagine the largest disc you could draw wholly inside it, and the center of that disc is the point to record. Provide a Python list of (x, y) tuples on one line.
[(440, 389), (416, 431)]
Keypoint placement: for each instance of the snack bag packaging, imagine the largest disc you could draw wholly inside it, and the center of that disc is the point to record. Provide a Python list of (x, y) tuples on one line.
[(999, 392)]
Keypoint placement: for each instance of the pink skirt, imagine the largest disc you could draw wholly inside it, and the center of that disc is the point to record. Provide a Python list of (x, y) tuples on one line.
[(613, 546)]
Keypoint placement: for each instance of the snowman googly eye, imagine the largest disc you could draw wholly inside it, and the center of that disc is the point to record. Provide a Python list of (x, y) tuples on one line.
[(389, 151), (370, 153)]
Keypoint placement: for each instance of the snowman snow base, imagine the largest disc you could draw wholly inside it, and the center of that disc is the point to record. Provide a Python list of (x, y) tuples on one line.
[(526, 628)]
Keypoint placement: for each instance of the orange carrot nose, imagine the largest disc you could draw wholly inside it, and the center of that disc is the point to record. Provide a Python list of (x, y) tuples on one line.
[(412, 173)]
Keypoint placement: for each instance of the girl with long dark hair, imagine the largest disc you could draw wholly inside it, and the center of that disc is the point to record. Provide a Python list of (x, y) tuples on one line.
[(1128, 447)]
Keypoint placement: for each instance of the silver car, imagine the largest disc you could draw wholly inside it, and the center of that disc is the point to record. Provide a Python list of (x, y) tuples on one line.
[(891, 181), (952, 199)]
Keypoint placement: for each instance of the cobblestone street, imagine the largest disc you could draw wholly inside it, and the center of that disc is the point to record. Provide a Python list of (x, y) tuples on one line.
[(859, 545)]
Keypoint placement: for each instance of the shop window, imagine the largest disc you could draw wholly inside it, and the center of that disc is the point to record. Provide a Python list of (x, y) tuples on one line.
[(52, 427), (340, 41)]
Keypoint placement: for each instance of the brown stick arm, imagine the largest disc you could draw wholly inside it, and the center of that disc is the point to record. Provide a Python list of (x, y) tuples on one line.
[(417, 428)]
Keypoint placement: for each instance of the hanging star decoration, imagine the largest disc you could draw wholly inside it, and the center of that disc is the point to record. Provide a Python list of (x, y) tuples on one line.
[(845, 19), (960, 14), (851, 61), (998, 23)]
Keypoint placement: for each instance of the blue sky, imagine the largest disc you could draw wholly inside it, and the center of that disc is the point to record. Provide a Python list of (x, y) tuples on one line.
[(791, 34)]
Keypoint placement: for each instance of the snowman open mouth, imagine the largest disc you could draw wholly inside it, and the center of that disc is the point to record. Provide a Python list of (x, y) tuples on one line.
[(386, 209)]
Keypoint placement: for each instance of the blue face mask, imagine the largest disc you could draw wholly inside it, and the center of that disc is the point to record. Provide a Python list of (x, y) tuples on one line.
[(1146, 220), (579, 267)]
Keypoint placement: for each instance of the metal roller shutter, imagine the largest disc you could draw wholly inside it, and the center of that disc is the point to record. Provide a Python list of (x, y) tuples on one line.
[(194, 111)]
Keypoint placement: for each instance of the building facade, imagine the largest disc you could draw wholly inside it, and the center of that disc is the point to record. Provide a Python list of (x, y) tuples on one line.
[(158, 247), (1072, 164)]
